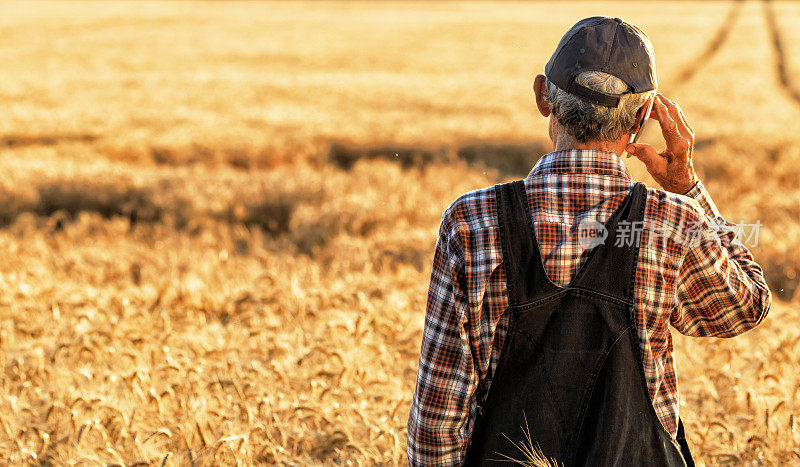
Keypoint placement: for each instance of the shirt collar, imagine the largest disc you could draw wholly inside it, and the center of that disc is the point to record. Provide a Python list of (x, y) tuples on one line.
[(581, 161)]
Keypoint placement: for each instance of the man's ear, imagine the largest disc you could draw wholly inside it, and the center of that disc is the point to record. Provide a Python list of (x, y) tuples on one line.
[(639, 116), (540, 91)]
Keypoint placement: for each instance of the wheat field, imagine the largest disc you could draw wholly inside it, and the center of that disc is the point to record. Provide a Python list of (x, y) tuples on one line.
[(218, 218)]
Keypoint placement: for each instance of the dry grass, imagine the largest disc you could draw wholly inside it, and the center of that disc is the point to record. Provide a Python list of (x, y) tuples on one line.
[(193, 273)]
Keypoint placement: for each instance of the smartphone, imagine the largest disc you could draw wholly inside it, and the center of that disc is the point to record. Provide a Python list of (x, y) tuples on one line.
[(635, 136)]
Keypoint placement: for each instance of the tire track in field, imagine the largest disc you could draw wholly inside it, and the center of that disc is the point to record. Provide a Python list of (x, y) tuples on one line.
[(714, 45), (781, 63)]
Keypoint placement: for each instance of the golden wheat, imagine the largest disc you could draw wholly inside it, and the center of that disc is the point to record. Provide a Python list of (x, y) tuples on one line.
[(192, 275)]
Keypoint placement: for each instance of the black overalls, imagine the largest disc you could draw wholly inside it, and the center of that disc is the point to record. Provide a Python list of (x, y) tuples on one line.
[(570, 371)]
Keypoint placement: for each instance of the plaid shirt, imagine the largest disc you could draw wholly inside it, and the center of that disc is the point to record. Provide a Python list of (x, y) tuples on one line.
[(709, 286)]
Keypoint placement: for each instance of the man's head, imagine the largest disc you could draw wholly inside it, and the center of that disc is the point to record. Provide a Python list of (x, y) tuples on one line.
[(597, 83)]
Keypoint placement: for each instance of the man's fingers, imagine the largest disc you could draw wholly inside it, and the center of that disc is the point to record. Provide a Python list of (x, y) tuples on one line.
[(661, 113), (669, 128), (655, 162), (677, 144), (677, 115)]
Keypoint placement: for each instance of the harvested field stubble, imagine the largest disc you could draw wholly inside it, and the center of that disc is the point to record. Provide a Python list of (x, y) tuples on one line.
[(219, 219)]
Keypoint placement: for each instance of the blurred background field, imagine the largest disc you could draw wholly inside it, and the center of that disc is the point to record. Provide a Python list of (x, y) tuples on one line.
[(218, 218)]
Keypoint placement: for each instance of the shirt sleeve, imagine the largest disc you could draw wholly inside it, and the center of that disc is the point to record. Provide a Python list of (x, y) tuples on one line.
[(439, 416), (721, 290)]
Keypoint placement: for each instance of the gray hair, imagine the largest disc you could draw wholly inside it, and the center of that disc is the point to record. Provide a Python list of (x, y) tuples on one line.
[(589, 122)]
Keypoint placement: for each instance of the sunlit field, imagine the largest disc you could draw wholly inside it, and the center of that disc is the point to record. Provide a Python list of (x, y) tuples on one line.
[(218, 219)]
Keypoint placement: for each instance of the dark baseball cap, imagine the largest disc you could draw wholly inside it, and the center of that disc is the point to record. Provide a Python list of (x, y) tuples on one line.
[(610, 45)]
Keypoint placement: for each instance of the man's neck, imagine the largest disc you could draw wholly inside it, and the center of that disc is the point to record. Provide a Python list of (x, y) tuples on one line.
[(566, 142)]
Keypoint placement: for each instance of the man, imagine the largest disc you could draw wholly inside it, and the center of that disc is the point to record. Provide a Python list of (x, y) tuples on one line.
[(537, 339)]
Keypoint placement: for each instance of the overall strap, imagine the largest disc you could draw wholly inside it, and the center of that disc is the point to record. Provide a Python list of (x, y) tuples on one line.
[(611, 268), (525, 275)]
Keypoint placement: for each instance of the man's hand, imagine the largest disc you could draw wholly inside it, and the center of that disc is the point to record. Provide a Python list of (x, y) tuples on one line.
[(672, 169)]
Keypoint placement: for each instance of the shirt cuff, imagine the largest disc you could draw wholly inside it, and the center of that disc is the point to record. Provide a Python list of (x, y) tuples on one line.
[(699, 193)]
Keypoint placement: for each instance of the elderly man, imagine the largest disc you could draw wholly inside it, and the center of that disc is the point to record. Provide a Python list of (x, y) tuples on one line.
[(543, 335)]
